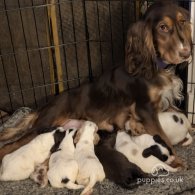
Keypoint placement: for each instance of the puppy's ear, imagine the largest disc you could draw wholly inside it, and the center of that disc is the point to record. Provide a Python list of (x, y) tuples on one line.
[(96, 139), (58, 137), (152, 150), (140, 51), (160, 141), (147, 152), (77, 135)]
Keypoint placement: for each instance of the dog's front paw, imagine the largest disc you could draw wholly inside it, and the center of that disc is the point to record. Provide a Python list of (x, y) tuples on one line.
[(106, 126), (134, 127), (137, 130)]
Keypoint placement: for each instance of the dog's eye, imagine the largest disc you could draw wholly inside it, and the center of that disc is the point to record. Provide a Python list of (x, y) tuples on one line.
[(164, 28), (182, 22)]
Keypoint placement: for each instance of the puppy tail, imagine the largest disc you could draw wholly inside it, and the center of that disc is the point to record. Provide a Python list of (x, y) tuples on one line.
[(70, 185), (14, 133), (89, 187)]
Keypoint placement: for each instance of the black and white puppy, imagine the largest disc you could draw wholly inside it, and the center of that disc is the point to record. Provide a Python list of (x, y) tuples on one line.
[(90, 168), (20, 164), (39, 174), (63, 168), (146, 151), (176, 126), (116, 166)]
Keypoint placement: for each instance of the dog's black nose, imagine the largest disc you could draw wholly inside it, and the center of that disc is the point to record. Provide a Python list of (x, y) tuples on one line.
[(185, 53)]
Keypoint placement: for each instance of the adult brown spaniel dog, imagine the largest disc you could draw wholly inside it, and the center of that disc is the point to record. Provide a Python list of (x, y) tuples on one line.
[(137, 90)]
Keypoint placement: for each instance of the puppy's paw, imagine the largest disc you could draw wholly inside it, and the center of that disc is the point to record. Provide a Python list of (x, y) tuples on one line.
[(179, 164), (39, 176), (134, 127), (187, 141), (137, 131)]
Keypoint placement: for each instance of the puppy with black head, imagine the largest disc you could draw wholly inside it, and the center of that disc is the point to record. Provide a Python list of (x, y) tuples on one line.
[(39, 175), (63, 168), (146, 151), (116, 166)]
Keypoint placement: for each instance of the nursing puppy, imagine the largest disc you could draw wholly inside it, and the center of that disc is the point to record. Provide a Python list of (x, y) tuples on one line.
[(176, 126), (116, 166), (144, 151), (90, 168), (39, 175), (21, 163), (63, 168)]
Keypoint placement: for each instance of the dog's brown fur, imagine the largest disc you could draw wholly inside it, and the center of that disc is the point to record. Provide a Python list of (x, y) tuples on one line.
[(108, 101), (113, 94), (165, 33)]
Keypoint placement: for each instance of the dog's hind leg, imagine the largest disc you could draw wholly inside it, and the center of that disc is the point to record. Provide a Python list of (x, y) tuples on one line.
[(14, 133)]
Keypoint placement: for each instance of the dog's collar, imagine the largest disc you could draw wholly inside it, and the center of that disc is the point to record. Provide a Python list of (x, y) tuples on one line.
[(161, 64)]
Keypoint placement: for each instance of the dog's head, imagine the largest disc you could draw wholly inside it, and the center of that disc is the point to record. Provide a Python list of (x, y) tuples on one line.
[(171, 32), (89, 129), (166, 152), (165, 33)]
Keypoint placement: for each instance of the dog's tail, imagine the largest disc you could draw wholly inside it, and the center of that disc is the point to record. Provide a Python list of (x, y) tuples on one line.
[(20, 129), (70, 185), (89, 187)]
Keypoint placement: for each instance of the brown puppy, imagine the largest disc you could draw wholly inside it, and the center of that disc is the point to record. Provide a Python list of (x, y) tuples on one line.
[(116, 166)]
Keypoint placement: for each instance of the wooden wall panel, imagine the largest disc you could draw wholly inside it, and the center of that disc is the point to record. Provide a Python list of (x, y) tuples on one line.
[(57, 43)]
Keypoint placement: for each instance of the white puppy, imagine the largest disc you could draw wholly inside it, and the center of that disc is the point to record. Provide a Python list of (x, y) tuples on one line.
[(90, 168), (144, 151), (63, 168), (19, 164), (176, 126)]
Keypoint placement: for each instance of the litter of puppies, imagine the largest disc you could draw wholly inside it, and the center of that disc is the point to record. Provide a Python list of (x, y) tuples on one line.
[(79, 155)]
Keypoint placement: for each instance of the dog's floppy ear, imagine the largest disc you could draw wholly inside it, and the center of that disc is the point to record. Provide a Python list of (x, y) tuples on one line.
[(150, 151), (77, 136), (96, 139), (155, 151), (58, 137), (160, 141), (140, 52)]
